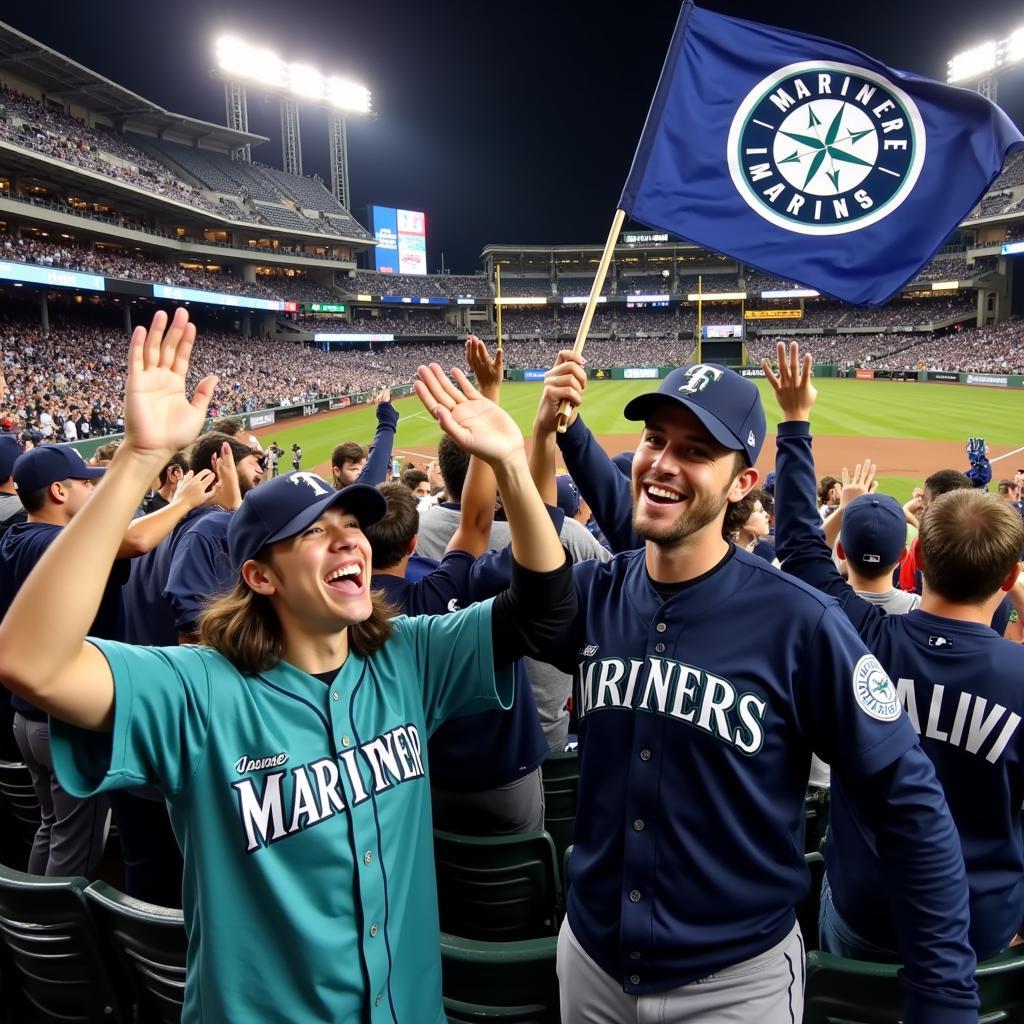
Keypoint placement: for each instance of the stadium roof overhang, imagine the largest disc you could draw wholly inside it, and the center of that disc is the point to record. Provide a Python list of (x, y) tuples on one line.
[(67, 81), (506, 250)]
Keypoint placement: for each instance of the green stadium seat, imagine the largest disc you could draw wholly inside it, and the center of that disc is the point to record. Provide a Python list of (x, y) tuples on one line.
[(504, 982), (22, 813), (497, 888), (151, 945), (561, 775), (64, 971), (841, 991)]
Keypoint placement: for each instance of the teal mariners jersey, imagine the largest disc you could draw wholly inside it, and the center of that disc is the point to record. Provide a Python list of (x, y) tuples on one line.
[(303, 812)]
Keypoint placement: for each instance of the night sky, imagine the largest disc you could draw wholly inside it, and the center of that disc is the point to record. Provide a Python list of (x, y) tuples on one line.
[(507, 122)]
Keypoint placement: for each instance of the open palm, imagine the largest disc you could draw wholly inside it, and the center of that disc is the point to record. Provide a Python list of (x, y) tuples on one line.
[(475, 423), (158, 416)]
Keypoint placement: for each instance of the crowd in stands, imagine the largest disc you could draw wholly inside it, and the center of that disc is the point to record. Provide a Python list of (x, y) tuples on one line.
[(996, 348), (418, 323), (644, 284), (834, 349), (525, 286), (424, 286), (136, 266), (581, 285), (911, 312)]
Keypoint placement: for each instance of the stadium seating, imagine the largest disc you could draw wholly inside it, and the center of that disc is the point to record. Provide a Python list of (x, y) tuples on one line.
[(841, 991), (151, 945), (499, 982), (63, 969), (561, 775), (18, 796), (497, 888)]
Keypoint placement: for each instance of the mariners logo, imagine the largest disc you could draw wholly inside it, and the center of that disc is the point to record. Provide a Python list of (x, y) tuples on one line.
[(874, 690), (823, 149), (699, 377)]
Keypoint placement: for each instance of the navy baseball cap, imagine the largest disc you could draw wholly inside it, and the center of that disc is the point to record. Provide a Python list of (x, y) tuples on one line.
[(874, 531), (286, 505), (769, 483), (45, 465), (727, 404), (568, 495), (10, 449)]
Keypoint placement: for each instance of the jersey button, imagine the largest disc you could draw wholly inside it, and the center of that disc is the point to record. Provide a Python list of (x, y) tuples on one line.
[(634, 979), (634, 896), (634, 955), (638, 825), (334, 695), (345, 741), (367, 857), (645, 755), (659, 648), (373, 931), (661, 627), (376, 1001)]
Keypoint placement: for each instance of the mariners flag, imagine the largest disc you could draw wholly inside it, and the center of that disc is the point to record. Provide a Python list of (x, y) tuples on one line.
[(809, 159)]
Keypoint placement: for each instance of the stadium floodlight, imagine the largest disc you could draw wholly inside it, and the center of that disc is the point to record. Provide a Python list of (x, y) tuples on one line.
[(974, 63), (242, 62), (1014, 52)]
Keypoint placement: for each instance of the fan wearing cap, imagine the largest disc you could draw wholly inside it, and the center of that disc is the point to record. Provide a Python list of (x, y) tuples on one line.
[(11, 509), (55, 484), (292, 746), (705, 679), (955, 681)]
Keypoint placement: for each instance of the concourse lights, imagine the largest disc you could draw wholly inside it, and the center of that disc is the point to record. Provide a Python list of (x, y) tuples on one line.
[(238, 60)]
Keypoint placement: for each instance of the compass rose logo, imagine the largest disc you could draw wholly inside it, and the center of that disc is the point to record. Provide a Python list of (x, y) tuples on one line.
[(825, 149)]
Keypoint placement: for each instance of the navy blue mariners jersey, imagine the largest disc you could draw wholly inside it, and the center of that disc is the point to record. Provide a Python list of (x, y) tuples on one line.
[(200, 568), (482, 751), (20, 549), (962, 686), (149, 617), (303, 814), (601, 486), (698, 715)]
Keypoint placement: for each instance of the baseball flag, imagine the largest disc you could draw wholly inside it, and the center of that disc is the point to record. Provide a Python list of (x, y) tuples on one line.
[(809, 159)]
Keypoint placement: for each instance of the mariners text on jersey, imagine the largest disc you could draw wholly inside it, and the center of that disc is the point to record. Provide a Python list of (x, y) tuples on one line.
[(279, 807), (668, 687)]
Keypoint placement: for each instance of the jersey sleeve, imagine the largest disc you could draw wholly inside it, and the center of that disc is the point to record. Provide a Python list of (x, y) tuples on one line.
[(162, 698), (200, 569), (455, 660), (848, 706), (799, 536), (601, 485), (379, 457)]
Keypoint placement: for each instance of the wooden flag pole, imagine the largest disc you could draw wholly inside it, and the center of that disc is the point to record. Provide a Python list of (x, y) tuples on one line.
[(588, 312), (497, 296)]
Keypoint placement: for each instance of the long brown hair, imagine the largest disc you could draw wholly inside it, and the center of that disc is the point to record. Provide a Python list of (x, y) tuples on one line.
[(243, 626)]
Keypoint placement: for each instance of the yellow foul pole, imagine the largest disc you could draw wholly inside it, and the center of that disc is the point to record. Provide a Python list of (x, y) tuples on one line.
[(700, 312), (497, 303)]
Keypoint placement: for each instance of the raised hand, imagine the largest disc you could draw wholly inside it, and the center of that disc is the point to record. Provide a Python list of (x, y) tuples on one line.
[(475, 423), (228, 491), (158, 415), (794, 391), (862, 482), (196, 489), (564, 382), (489, 372), (382, 396)]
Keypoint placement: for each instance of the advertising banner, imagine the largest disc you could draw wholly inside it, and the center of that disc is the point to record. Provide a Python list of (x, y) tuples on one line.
[(261, 419), (412, 242), (988, 379), (534, 374), (863, 374), (341, 403), (751, 371), (640, 372), (949, 377), (773, 314), (385, 230)]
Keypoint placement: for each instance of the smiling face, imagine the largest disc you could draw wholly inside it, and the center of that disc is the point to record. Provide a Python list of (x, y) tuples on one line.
[(682, 478), (319, 580)]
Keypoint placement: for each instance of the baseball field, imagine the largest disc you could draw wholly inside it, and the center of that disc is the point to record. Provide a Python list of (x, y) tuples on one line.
[(909, 429)]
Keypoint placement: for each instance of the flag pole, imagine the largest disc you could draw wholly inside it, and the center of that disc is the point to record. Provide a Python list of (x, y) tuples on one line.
[(497, 296), (700, 312), (588, 312)]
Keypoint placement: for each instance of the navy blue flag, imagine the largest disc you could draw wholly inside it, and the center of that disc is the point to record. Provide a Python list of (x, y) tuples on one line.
[(808, 159)]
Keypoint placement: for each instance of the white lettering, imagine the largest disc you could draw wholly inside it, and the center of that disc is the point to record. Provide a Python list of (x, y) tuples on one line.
[(863, 199), (782, 100), (866, 92), (1004, 737), (980, 726), (658, 681), (607, 687), (774, 192), (380, 754), (304, 804), (751, 712), (802, 92), (960, 719), (635, 667), (794, 205), (327, 778), (261, 815), (817, 209), (824, 85), (932, 730), (846, 85), (719, 697), (839, 206), (891, 126), (883, 107), (686, 692), (759, 171), (355, 779), (894, 144)]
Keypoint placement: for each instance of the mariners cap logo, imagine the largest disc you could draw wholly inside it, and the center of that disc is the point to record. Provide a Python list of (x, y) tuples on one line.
[(874, 690), (825, 148), (699, 377)]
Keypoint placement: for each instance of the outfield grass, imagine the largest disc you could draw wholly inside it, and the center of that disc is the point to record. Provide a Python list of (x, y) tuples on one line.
[(845, 407)]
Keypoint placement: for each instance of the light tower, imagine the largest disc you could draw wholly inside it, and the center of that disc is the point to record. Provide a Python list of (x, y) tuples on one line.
[(979, 67), (295, 83)]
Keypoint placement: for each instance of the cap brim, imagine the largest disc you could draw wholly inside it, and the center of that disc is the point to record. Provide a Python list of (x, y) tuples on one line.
[(89, 473), (366, 503), (642, 407)]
